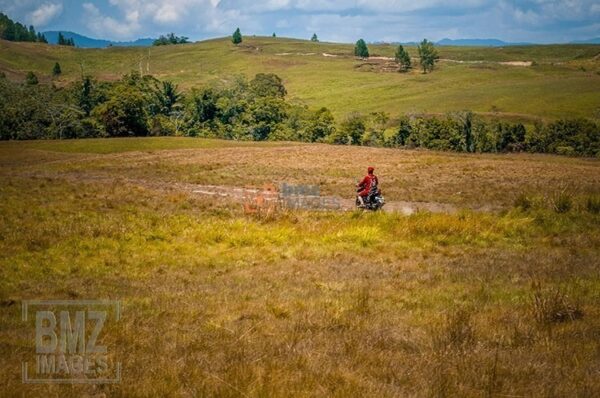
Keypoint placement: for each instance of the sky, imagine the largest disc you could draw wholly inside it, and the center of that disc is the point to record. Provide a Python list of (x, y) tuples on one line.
[(538, 21)]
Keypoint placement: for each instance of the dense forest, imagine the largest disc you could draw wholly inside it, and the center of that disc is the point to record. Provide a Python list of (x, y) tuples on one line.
[(15, 31), (257, 109)]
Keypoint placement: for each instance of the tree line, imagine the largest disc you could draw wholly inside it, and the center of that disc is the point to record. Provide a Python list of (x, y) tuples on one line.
[(257, 109), (65, 41), (170, 39), (15, 31)]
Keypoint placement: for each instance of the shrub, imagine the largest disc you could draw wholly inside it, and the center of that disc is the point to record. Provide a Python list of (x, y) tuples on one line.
[(573, 136), (354, 128), (56, 71), (565, 150), (31, 79), (161, 125)]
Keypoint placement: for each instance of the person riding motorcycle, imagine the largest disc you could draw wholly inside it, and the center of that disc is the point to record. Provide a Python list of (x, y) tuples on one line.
[(368, 186)]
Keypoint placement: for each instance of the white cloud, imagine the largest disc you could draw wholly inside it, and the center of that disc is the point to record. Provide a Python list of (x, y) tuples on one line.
[(105, 26), (338, 20), (167, 13), (44, 13)]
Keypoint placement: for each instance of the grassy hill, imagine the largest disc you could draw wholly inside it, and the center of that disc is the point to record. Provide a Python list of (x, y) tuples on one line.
[(563, 81), (221, 302)]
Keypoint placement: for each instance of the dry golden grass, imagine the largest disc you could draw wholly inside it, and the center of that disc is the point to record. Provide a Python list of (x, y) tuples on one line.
[(219, 303), (473, 180)]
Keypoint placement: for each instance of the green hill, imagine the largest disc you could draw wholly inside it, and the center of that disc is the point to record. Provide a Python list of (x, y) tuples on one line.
[(562, 81)]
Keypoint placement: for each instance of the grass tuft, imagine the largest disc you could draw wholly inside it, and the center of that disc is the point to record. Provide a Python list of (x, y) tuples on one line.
[(523, 202), (562, 202), (553, 305), (592, 204)]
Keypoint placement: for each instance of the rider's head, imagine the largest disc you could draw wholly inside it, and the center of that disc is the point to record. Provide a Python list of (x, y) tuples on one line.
[(370, 170)]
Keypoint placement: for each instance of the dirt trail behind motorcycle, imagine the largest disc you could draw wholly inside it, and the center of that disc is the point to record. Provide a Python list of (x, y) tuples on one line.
[(241, 194)]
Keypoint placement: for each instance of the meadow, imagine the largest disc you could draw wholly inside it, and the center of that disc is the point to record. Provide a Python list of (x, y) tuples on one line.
[(218, 302), (563, 80)]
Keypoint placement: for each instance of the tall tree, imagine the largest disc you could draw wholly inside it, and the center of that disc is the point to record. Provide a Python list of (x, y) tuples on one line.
[(360, 49), (402, 58), (84, 95), (168, 97), (63, 41), (15, 31), (32, 34), (428, 55), (124, 113), (314, 37), (236, 38), (56, 71)]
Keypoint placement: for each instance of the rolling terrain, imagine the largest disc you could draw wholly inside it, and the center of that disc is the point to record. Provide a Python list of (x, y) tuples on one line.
[(560, 81), (495, 293), (221, 302)]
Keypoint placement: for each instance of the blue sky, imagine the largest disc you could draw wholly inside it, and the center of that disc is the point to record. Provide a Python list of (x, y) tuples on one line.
[(541, 21)]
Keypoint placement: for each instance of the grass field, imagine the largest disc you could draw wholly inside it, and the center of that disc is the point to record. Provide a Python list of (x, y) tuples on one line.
[(217, 302), (563, 82)]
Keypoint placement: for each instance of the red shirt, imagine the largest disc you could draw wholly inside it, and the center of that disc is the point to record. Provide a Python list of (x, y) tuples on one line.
[(366, 183)]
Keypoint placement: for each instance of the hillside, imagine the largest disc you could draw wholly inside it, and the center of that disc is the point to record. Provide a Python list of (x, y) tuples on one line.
[(562, 81)]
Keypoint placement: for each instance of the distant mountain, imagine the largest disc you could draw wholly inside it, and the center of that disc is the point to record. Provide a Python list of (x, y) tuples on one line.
[(478, 43), (88, 42), (595, 40)]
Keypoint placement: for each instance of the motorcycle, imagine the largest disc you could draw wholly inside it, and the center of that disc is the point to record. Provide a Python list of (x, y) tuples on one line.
[(373, 201)]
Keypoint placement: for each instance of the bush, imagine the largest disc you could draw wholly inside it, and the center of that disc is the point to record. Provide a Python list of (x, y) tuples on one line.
[(353, 128), (161, 125), (565, 150), (573, 136), (31, 79), (320, 125)]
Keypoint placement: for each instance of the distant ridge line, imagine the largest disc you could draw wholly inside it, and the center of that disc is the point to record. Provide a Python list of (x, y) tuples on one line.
[(88, 42)]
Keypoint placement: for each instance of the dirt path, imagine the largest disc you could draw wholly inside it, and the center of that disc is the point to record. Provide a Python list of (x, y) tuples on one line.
[(508, 63), (265, 195), (239, 194), (381, 58)]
